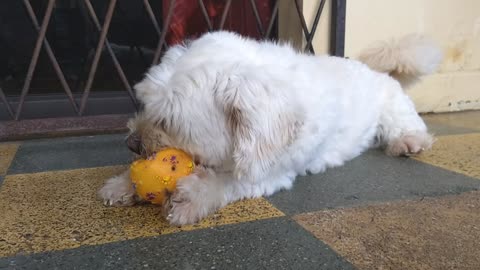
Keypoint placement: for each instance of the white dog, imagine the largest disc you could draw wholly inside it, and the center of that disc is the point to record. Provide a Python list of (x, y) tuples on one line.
[(257, 114)]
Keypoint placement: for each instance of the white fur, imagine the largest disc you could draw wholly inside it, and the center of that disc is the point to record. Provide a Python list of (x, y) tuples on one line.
[(118, 191), (404, 59), (257, 114)]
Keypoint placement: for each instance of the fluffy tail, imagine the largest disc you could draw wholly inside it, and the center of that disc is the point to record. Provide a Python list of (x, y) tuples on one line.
[(406, 59)]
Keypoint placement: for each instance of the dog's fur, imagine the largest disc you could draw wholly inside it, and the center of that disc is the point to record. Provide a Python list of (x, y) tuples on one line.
[(257, 114)]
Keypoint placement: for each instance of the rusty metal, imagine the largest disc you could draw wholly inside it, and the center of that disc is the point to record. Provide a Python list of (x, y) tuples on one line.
[(272, 19), (98, 52), (3, 98), (29, 128), (116, 63), (150, 13), (36, 53), (161, 41), (154, 21), (257, 18), (310, 36), (226, 9), (303, 23), (51, 56), (203, 9)]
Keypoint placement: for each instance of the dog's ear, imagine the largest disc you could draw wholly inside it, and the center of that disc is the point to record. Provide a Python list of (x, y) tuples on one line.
[(145, 90), (262, 127), (153, 86), (154, 96)]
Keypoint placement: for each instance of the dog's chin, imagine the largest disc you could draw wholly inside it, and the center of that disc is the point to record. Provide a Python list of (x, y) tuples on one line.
[(148, 154), (142, 154)]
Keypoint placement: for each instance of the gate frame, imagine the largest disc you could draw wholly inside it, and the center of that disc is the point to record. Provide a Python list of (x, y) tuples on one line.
[(75, 123)]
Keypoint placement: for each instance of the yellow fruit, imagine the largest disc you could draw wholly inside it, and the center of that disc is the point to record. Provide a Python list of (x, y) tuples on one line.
[(155, 177)]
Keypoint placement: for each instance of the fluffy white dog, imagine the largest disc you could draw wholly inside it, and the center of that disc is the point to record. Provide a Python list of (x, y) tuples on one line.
[(257, 114)]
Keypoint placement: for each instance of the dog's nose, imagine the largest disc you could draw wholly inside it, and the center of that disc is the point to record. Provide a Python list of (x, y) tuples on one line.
[(134, 143)]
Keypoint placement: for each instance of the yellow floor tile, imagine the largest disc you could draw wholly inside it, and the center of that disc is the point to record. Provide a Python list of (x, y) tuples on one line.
[(7, 153), (458, 153), (58, 210), (434, 233)]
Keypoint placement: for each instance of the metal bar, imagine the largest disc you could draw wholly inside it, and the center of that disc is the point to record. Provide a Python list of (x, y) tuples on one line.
[(315, 24), (149, 9), (98, 52), (224, 14), (161, 41), (203, 9), (116, 63), (337, 28), (303, 23), (272, 19), (36, 53), (257, 18), (7, 105), (52, 57)]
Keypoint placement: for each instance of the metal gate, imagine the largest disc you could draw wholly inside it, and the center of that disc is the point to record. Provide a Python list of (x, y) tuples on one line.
[(68, 66)]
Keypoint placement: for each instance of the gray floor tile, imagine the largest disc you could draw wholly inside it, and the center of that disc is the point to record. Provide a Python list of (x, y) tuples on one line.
[(70, 153), (277, 243), (372, 177)]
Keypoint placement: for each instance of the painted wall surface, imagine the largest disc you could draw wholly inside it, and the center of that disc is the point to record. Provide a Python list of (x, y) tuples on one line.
[(454, 24), (290, 27)]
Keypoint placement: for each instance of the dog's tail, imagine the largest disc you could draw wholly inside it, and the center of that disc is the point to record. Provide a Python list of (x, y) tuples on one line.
[(405, 59)]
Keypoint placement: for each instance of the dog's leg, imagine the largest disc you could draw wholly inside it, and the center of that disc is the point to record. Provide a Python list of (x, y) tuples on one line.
[(197, 196), (410, 143), (118, 191), (401, 129), (204, 192), (317, 166)]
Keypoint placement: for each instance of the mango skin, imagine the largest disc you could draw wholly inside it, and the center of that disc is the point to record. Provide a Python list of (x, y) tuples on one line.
[(154, 178)]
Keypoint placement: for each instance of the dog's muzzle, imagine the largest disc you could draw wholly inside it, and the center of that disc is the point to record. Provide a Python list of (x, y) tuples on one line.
[(134, 143)]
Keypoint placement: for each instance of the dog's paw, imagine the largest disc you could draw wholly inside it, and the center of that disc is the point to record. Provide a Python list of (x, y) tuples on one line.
[(189, 203), (315, 167), (117, 192), (112, 197), (409, 145)]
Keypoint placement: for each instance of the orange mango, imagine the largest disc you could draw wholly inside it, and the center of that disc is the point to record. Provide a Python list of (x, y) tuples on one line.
[(155, 177)]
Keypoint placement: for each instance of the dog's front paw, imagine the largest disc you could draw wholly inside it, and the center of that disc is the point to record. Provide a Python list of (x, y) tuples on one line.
[(118, 191), (112, 198), (189, 203), (410, 145)]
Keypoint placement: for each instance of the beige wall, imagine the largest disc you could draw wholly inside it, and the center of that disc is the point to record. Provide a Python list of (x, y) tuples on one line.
[(291, 29), (454, 24)]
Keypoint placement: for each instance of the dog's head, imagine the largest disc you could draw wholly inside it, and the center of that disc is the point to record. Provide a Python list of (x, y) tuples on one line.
[(176, 113), (145, 137), (221, 118)]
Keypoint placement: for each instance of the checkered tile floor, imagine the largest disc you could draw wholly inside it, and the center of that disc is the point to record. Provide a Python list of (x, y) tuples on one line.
[(375, 212)]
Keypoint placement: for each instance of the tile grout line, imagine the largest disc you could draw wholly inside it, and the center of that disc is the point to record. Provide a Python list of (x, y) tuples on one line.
[(10, 157)]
